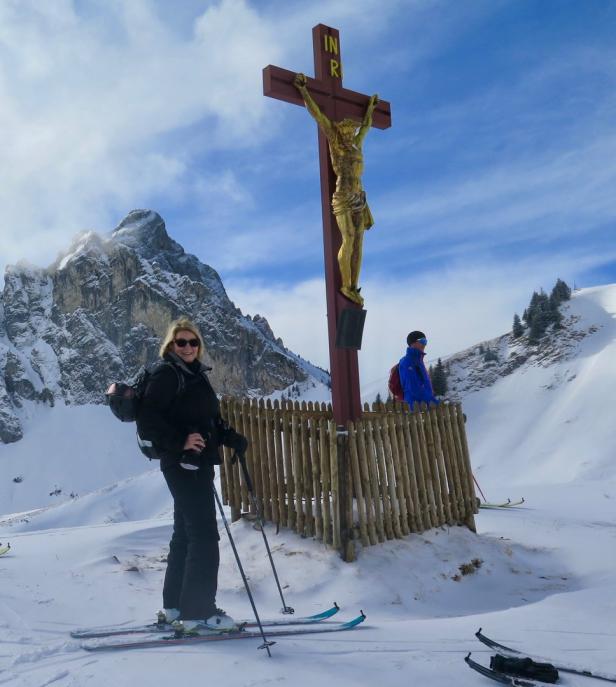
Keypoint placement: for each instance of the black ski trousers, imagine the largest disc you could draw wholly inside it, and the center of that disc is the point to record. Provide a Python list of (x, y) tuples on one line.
[(192, 566)]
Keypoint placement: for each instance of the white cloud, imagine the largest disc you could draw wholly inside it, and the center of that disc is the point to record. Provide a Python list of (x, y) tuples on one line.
[(108, 106), (88, 104)]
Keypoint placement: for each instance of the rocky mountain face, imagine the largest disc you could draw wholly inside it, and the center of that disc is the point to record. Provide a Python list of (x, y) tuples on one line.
[(98, 314)]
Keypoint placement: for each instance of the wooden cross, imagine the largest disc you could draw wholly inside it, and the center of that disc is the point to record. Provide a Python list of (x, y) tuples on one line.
[(336, 103)]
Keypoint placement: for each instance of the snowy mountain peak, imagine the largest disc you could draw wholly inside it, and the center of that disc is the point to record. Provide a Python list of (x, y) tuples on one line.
[(98, 312), (145, 231)]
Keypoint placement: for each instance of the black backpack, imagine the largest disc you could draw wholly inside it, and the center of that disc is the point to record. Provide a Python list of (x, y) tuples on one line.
[(124, 399), (524, 667)]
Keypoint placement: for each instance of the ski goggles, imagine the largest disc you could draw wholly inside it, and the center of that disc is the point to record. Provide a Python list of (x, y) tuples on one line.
[(181, 343), (423, 341)]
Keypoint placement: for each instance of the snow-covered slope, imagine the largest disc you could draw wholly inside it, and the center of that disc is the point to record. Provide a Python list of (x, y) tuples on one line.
[(544, 413), (543, 578), (67, 451)]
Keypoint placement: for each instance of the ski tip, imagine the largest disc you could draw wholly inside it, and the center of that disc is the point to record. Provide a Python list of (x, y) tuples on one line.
[(478, 632), (355, 622)]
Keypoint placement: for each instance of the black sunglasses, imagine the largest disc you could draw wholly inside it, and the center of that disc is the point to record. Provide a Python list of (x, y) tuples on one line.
[(180, 343)]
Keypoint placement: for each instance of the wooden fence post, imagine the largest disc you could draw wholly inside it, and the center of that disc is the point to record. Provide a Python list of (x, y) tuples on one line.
[(277, 428), (324, 445), (315, 462), (345, 494), (359, 492), (335, 474), (255, 446), (370, 487), (307, 475), (298, 473), (287, 435), (466, 463)]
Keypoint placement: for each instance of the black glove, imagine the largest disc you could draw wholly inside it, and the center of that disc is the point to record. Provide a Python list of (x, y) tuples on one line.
[(236, 441)]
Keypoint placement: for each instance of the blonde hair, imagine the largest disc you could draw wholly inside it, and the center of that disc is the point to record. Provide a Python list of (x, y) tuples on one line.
[(181, 324)]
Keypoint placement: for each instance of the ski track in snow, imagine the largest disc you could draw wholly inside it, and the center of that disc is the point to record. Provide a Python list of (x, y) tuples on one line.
[(546, 583)]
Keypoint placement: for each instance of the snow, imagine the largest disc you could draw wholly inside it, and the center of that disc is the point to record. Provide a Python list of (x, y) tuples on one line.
[(553, 419), (73, 448), (80, 243), (544, 576)]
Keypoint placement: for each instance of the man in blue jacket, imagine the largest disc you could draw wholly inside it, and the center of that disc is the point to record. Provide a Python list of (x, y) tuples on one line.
[(413, 374)]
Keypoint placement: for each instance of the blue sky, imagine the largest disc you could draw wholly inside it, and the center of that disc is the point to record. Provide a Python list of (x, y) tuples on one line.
[(496, 178)]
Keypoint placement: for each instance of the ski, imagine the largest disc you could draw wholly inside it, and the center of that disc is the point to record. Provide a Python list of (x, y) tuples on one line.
[(173, 640), (507, 650), (507, 504), (497, 676), (151, 628), (4, 548)]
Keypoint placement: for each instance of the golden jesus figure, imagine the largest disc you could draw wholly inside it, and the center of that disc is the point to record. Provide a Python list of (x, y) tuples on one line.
[(349, 200)]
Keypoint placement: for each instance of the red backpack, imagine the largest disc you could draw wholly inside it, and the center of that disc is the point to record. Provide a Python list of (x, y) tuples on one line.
[(394, 385)]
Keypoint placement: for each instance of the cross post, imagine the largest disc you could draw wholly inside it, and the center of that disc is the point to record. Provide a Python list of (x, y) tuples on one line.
[(336, 103)]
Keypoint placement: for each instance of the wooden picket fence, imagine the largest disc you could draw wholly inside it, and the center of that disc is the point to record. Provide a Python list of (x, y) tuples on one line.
[(386, 475)]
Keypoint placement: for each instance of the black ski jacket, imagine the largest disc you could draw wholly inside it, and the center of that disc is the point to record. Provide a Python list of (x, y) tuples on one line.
[(168, 413)]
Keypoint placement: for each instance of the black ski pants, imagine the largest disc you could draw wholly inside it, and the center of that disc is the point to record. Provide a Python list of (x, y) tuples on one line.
[(192, 566)]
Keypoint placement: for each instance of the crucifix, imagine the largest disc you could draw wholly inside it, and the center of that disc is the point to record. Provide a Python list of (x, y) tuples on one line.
[(344, 118)]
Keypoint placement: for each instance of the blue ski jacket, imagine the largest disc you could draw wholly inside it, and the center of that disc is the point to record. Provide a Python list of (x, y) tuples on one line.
[(415, 379)]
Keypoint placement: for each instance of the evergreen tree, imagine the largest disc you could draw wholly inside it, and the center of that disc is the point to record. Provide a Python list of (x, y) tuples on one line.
[(518, 328), (378, 398), (533, 306), (537, 330), (561, 292), (545, 311), (438, 377), (556, 317), (482, 349), (490, 356), (542, 312), (540, 315)]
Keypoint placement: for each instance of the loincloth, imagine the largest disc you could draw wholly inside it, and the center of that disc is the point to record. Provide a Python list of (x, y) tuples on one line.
[(354, 203)]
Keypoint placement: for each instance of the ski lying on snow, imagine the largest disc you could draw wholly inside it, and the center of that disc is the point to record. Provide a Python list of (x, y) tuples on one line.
[(4, 548), (214, 636), (507, 650), (150, 628), (507, 504), (497, 676)]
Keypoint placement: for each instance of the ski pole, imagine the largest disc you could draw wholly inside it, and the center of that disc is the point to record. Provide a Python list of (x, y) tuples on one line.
[(266, 643), (478, 487), (242, 458)]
